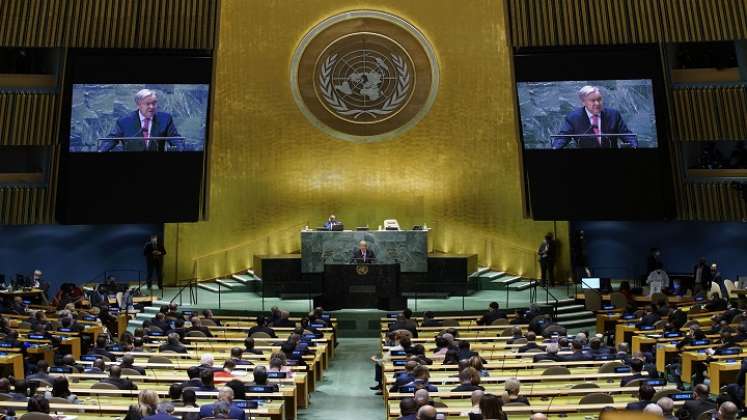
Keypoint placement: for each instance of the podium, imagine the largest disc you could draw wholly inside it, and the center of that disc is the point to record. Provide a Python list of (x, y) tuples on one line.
[(589, 141), (137, 144), (361, 286)]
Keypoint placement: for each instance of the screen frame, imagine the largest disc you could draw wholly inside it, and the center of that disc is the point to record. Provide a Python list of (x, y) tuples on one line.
[(561, 64), (122, 66)]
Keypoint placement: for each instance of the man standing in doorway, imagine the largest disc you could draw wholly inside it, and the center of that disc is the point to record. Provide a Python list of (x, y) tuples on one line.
[(154, 252)]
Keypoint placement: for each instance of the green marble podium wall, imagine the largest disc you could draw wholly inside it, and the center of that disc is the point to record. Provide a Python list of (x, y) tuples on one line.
[(409, 248)]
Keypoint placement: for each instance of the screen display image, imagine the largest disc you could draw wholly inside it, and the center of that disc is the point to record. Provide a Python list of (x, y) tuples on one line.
[(588, 114), (138, 117)]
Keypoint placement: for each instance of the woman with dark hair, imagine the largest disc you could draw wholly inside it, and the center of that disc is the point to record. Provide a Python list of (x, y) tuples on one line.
[(61, 389), (190, 400), (491, 407), (38, 404), (451, 357), (239, 390)]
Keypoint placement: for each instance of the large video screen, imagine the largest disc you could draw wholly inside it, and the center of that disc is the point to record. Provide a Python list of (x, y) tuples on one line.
[(136, 145), (107, 117), (593, 128), (588, 114)]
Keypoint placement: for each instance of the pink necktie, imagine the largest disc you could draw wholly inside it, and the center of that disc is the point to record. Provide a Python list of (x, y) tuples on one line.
[(146, 131), (595, 127)]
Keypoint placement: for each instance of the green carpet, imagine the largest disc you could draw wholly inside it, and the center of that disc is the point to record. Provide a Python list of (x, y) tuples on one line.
[(344, 393)]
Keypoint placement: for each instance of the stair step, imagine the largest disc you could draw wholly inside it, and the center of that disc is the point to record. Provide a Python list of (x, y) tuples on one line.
[(229, 283), (245, 278), (481, 270), (144, 315), (152, 309), (575, 315), (566, 302), (579, 322), (520, 285), (426, 295), (571, 308), (160, 303), (493, 275), (208, 286), (506, 280)]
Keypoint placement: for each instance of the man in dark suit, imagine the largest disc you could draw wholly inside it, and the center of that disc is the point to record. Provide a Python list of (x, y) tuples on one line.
[(578, 352), (701, 403), (408, 408), (636, 366), (363, 255), (145, 122), (332, 222), (154, 252), (531, 343), (645, 393), (225, 394), (593, 118), (115, 378), (491, 315), (546, 254)]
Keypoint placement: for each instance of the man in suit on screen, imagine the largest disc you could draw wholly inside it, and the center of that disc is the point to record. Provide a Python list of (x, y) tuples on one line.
[(593, 121), (363, 255), (145, 122)]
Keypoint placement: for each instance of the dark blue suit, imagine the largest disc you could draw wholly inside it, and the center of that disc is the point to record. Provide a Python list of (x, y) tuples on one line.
[(161, 416), (577, 122), (235, 413), (162, 125)]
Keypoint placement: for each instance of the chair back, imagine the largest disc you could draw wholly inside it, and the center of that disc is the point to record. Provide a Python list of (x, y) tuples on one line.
[(159, 359), (129, 371), (103, 385), (201, 334), (260, 334), (663, 393), (58, 400), (514, 404), (556, 370), (500, 321), (507, 332), (41, 382), (660, 324), (585, 385), (610, 366), (6, 397), (597, 398), (36, 416), (715, 288), (618, 300), (208, 322), (658, 298), (520, 341), (450, 323), (592, 300), (706, 415), (636, 383)]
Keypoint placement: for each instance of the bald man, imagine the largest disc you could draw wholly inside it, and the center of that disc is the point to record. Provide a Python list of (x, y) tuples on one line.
[(727, 411), (363, 255), (427, 412)]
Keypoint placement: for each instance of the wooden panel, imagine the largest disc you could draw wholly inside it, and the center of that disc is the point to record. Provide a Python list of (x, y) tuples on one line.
[(598, 22), (109, 23), (710, 113)]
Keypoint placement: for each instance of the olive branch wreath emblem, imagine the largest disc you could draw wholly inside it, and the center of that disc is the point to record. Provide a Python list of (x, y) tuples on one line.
[(391, 104)]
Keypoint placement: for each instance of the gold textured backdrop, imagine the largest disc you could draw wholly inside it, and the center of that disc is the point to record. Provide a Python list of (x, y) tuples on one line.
[(271, 171)]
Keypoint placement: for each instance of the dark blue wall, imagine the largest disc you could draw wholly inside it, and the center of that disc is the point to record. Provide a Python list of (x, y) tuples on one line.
[(74, 253), (619, 249)]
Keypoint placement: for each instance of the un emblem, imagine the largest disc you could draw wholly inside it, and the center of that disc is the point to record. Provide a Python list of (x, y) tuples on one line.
[(361, 269), (364, 76)]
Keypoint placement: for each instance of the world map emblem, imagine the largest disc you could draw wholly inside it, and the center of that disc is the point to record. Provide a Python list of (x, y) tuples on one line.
[(364, 76)]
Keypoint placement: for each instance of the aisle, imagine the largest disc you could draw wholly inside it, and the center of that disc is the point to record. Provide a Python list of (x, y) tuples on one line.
[(344, 391)]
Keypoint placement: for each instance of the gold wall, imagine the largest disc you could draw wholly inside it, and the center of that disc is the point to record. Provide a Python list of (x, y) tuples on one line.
[(272, 172)]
